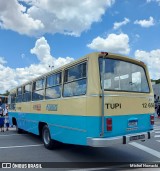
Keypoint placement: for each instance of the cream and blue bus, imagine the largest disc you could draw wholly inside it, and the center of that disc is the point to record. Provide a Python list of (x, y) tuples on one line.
[(99, 100)]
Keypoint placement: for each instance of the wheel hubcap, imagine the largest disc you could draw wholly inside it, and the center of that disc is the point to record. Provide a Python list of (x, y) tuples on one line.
[(46, 136)]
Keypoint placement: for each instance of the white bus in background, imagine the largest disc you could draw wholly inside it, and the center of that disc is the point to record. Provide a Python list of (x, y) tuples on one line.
[(156, 89)]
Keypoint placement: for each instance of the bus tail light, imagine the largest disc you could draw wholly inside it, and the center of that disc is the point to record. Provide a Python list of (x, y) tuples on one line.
[(152, 119), (109, 124)]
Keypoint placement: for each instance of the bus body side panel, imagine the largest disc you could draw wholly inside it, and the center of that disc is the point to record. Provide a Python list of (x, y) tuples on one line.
[(26, 121), (94, 117), (66, 118), (69, 129), (64, 128)]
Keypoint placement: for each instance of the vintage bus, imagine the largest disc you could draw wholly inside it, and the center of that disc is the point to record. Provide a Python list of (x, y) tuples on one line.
[(3, 101), (100, 100)]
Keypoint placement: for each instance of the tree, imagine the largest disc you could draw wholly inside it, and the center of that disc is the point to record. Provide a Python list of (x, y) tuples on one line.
[(6, 93), (158, 81)]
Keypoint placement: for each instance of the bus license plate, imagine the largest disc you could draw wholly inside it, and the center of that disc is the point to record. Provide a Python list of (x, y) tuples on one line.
[(132, 123), (137, 137)]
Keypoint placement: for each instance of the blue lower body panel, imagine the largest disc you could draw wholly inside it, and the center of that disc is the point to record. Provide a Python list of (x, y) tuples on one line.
[(75, 129)]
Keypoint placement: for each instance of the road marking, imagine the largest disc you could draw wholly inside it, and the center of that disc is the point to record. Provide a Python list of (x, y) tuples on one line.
[(156, 129), (157, 132), (157, 136), (156, 126), (158, 140), (22, 146), (11, 135), (146, 149)]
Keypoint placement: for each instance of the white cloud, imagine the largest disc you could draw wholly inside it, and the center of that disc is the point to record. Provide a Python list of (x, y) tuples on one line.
[(117, 43), (10, 78), (152, 59), (42, 51), (7, 78), (117, 25), (2, 61), (158, 1), (51, 16), (13, 16), (145, 23)]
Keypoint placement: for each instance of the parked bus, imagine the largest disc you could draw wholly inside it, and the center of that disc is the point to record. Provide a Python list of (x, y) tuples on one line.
[(100, 100), (3, 101)]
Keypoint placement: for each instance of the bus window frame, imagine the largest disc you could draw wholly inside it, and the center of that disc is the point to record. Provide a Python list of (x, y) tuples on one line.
[(18, 95), (101, 57), (12, 105), (46, 87), (30, 91), (64, 82), (34, 90)]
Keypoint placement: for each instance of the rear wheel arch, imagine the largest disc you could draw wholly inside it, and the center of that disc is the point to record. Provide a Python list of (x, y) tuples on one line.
[(49, 143), (14, 121), (40, 127)]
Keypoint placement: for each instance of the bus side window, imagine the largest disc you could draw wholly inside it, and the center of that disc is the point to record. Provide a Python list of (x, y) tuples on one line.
[(38, 90), (19, 95), (75, 81), (53, 86), (11, 101), (27, 93)]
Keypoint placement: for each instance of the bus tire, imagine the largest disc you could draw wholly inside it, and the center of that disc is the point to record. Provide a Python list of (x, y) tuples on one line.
[(48, 142), (19, 131)]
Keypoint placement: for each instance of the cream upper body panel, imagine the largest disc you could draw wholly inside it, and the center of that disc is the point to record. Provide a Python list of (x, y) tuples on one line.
[(116, 102)]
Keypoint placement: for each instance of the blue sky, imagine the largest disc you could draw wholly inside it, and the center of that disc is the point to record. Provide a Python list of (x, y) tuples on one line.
[(37, 33)]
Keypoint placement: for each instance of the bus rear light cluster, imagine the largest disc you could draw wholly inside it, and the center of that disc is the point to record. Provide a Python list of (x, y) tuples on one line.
[(109, 124), (152, 119)]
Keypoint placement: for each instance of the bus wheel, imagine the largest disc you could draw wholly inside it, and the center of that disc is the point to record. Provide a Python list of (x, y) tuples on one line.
[(48, 142), (19, 131)]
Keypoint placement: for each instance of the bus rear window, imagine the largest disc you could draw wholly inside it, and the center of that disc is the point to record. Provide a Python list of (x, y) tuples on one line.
[(124, 76)]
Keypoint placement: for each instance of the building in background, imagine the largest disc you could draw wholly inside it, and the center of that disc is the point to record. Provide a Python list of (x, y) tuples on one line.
[(156, 89)]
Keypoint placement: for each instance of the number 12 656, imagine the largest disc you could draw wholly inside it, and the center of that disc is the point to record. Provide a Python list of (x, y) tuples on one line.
[(148, 105)]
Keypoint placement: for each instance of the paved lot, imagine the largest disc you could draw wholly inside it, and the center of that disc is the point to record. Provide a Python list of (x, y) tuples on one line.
[(29, 148)]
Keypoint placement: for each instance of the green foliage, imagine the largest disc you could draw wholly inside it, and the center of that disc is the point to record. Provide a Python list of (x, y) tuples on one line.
[(156, 81), (6, 93)]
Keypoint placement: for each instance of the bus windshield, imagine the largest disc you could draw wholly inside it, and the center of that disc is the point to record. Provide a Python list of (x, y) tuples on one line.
[(123, 76)]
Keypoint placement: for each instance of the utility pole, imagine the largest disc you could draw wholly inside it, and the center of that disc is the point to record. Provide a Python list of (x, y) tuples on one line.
[(51, 67)]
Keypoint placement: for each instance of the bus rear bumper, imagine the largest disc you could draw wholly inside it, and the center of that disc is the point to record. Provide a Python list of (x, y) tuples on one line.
[(105, 142)]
